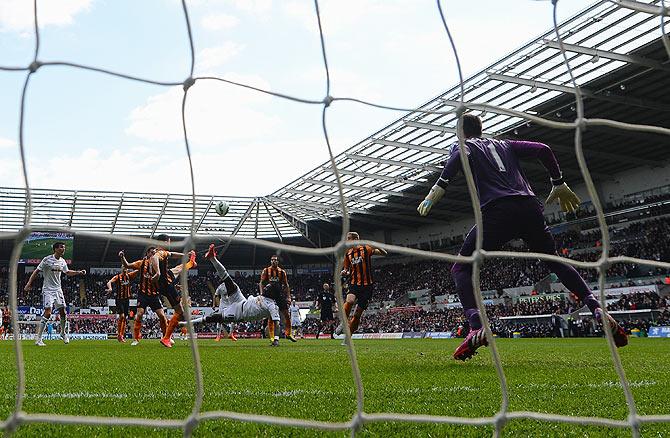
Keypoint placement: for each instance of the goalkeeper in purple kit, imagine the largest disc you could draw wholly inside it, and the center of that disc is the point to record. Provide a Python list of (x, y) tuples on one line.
[(510, 210)]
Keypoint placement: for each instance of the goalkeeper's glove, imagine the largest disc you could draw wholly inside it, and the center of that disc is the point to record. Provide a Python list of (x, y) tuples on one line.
[(435, 194), (567, 199)]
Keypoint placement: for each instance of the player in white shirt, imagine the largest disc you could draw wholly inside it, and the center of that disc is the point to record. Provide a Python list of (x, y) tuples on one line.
[(294, 311), (227, 329), (52, 267), (234, 306)]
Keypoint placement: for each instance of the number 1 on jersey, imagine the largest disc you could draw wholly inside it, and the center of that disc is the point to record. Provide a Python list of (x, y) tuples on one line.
[(494, 152)]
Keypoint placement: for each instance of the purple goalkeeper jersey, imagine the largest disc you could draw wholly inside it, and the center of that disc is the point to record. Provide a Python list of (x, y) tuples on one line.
[(495, 166)]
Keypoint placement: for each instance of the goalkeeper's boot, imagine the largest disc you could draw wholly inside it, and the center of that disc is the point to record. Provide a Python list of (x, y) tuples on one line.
[(468, 348), (618, 333), (191, 258), (211, 252)]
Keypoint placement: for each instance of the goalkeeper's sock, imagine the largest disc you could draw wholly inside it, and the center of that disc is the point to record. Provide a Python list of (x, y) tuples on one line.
[(473, 319), (574, 282), (40, 328), (137, 328)]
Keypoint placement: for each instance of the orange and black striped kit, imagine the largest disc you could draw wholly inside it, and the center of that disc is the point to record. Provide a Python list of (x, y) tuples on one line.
[(147, 287), (121, 283), (274, 276), (358, 261)]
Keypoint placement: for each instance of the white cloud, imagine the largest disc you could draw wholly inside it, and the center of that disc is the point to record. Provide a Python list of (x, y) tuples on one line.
[(257, 8), (17, 15), (217, 113), (6, 143), (212, 57), (340, 15), (225, 171), (345, 83), (219, 22)]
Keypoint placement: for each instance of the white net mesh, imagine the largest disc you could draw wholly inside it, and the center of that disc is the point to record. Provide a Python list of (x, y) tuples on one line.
[(359, 417)]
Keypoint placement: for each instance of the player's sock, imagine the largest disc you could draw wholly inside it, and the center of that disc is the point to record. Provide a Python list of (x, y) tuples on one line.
[(271, 329), (40, 328), (220, 269), (137, 328), (163, 324), (174, 321), (353, 324), (347, 308), (473, 318), (63, 325)]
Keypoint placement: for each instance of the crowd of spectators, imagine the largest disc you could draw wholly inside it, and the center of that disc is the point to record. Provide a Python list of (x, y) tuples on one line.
[(647, 239)]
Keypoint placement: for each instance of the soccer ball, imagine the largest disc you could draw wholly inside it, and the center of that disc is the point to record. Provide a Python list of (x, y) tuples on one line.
[(221, 208)]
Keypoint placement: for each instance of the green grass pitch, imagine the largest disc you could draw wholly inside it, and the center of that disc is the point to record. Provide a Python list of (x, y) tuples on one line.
[(312, 379)]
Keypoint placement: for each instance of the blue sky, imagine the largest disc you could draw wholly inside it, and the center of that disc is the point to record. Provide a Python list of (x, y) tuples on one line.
[(90, 131)]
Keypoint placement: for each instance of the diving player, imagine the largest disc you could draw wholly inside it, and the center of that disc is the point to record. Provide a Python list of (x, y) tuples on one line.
[(234, 306)]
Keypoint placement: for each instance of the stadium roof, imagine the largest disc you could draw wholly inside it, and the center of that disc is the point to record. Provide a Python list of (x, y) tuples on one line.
[(618, 60)]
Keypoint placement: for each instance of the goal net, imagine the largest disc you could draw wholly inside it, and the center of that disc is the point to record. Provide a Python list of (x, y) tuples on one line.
[(453, 107)]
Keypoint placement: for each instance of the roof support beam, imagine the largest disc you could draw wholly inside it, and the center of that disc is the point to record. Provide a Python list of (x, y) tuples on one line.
[(349, 199), (642, 7), (360, 174), (439, 128), (237, 228), (621, 100), (314, 208), (272, 221), (630, 59), (204, 214), (160, 216), (111, 231), (426, 166), (415, 147), (362, 188), (299, 225), (74, 205)]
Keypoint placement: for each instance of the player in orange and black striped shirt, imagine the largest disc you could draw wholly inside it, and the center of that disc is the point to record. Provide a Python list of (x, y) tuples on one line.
[(274, 285), (358, 269), (167, 285), (147, 294), (121, 283)]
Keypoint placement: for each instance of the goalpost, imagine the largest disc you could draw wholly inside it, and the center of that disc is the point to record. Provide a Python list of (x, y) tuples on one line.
[(359, 418)]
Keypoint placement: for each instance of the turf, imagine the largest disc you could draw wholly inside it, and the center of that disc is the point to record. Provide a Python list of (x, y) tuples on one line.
[(312, 379)]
